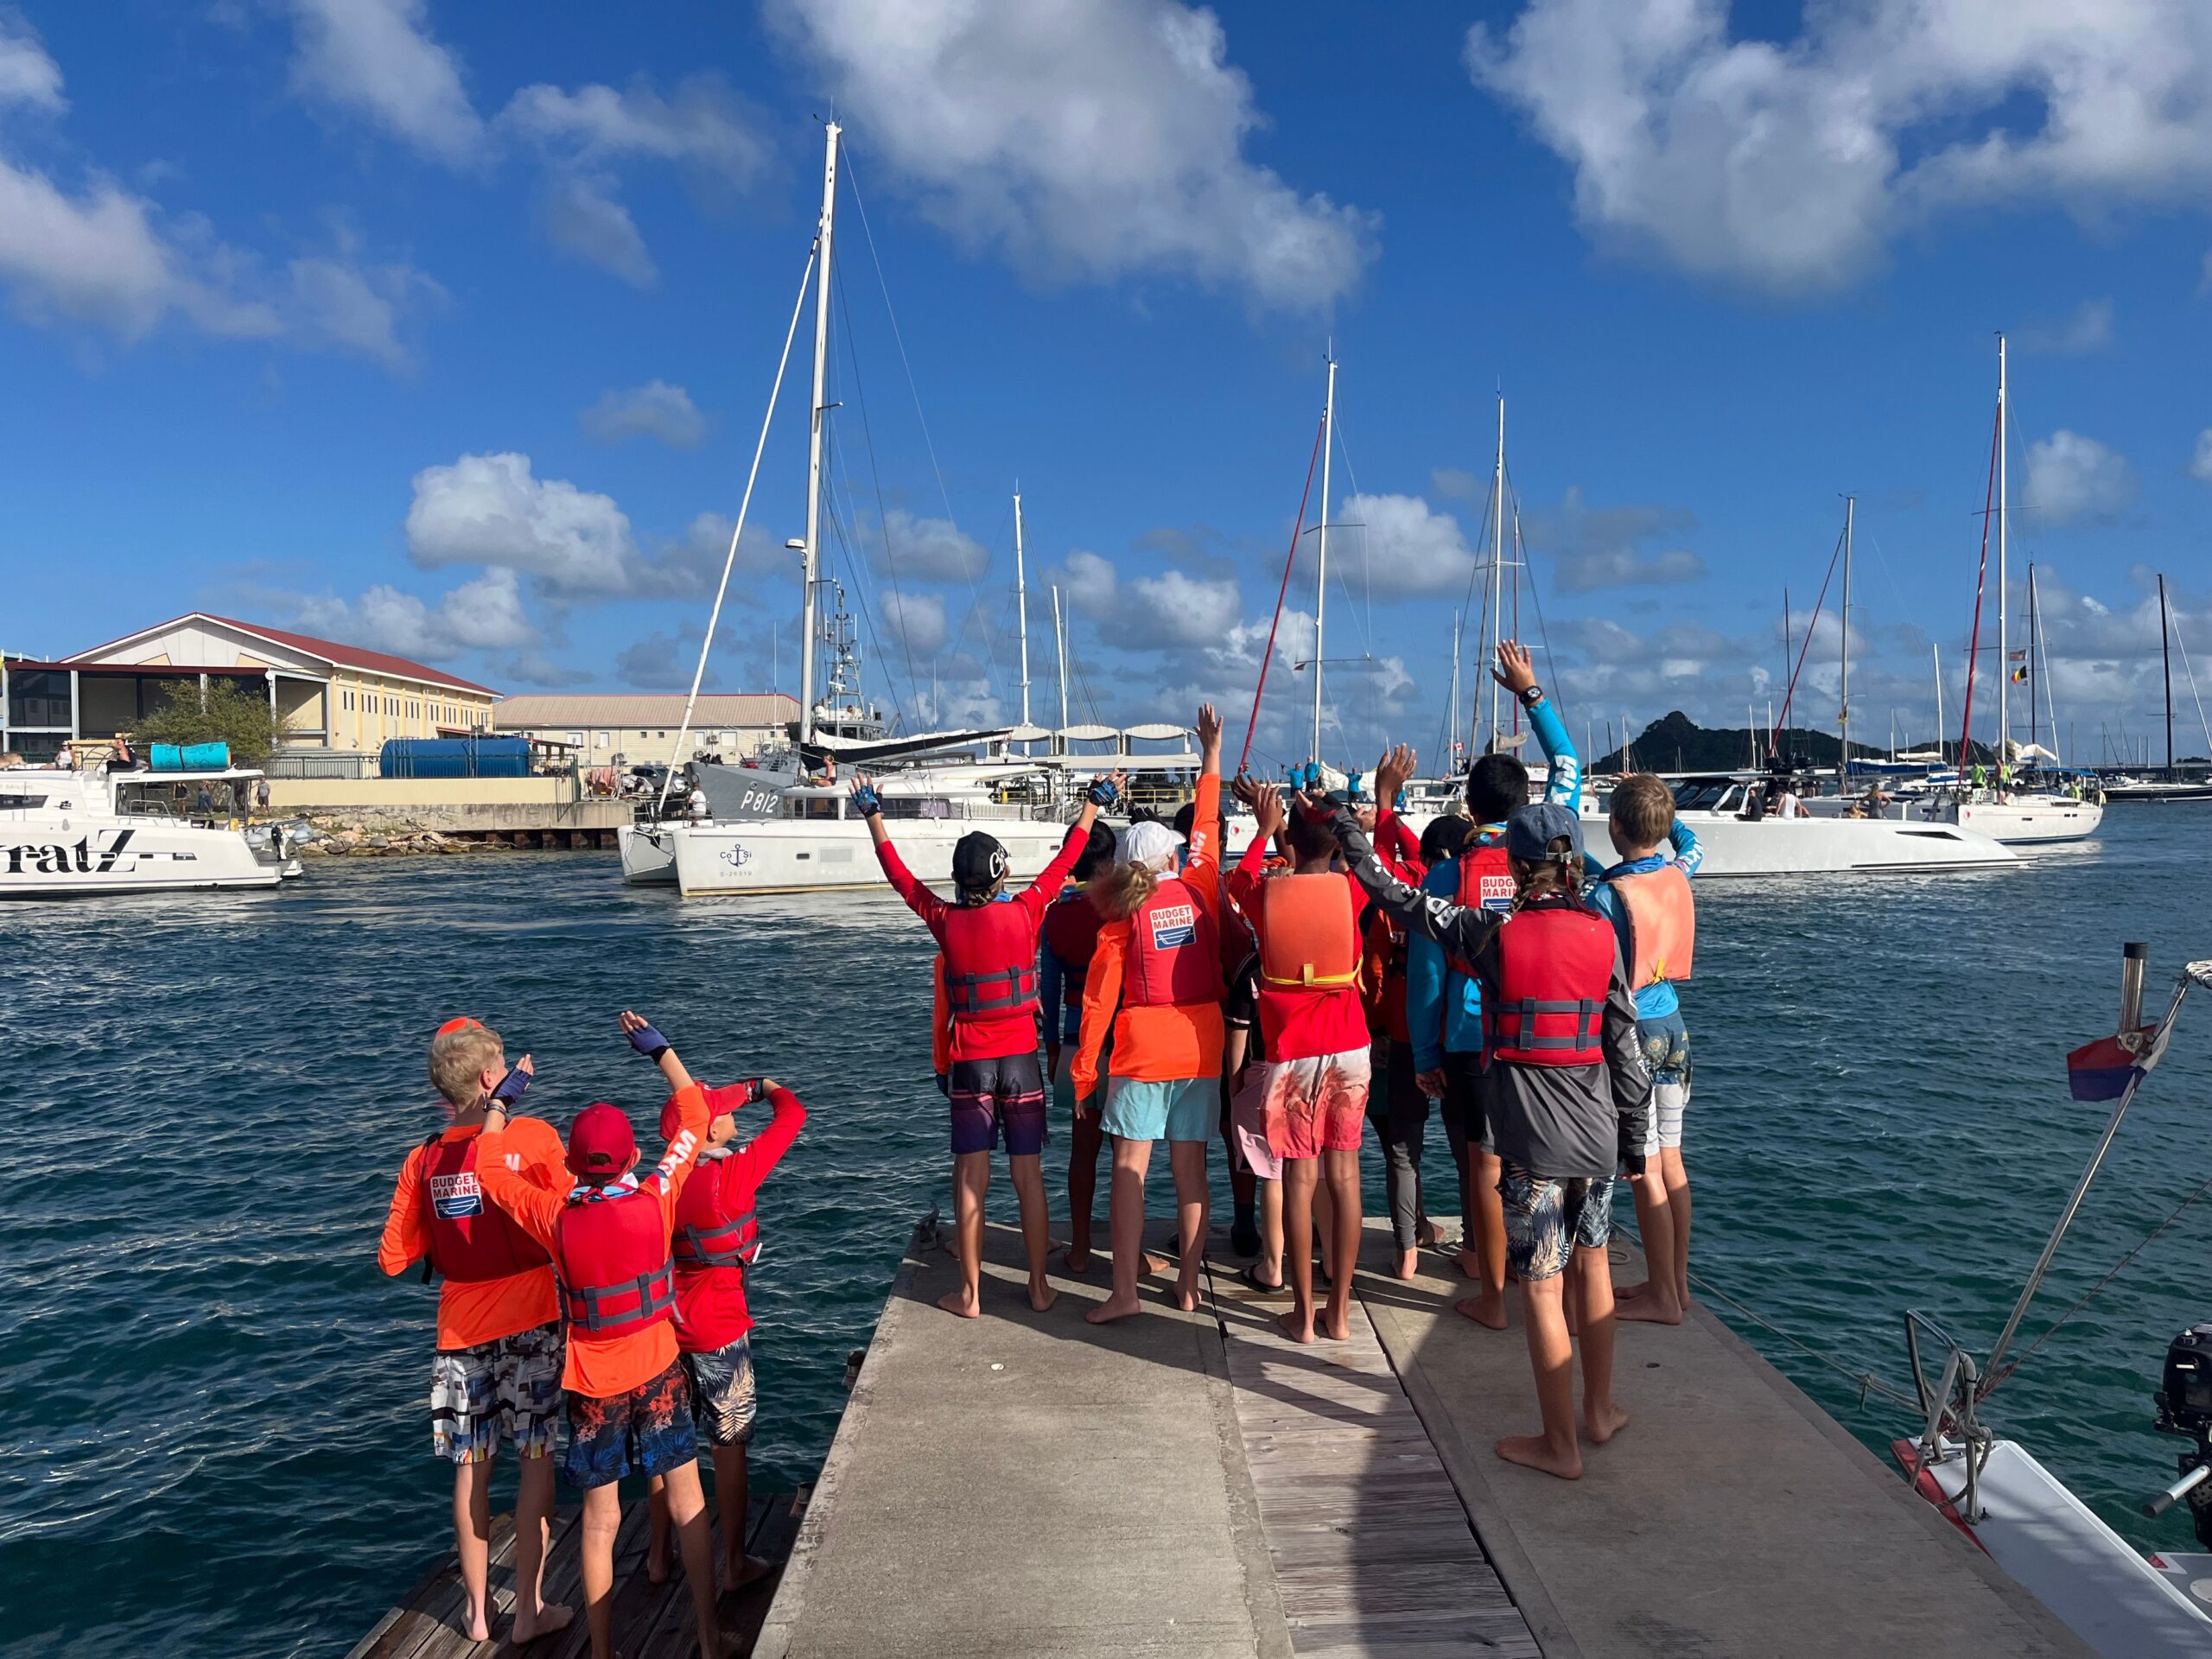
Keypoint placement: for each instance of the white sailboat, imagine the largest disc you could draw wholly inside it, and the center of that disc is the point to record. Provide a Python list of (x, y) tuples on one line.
[(67, 833)]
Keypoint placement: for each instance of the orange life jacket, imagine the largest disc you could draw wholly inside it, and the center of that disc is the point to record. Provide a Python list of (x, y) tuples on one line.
[(1071, 925), (1544, 1002), (1662, 923), (472, 1239), (707, 1235), (1309, 935), (1174, 953), (612, 1256), (990, 961)]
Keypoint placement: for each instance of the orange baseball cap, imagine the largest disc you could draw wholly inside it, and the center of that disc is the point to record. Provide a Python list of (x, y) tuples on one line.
[(460, 1023)]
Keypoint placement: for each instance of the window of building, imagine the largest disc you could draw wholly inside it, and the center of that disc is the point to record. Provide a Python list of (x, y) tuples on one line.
[(38, 697), (575, 740)]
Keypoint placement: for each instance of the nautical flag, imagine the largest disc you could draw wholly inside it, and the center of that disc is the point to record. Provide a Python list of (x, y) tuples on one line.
[(2019, 674), (2102, 1070), (2020, 655)]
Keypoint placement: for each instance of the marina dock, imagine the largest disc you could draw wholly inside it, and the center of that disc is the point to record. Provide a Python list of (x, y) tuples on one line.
[(1028, 1485)]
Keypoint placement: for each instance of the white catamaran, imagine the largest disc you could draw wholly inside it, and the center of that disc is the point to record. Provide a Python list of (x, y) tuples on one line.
[(66, 832)]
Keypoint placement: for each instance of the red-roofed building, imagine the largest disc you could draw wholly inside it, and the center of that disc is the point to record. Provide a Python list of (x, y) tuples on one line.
[(325, 694)]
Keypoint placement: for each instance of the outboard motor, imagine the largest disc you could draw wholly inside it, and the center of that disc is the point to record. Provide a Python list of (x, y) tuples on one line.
[(2184, 1406)]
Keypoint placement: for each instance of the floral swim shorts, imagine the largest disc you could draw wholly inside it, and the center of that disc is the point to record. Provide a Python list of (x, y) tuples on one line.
[(1547, 1220), (646, 1431)]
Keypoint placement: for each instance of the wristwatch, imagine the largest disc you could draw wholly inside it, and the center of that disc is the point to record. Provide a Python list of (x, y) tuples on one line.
[(1532, 697)]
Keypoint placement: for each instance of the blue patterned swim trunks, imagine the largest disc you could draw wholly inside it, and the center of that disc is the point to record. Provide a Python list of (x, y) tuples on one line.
[(1547, 1220)]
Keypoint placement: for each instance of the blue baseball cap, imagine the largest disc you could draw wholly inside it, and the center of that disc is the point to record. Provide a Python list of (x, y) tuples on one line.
[(1531, 830)]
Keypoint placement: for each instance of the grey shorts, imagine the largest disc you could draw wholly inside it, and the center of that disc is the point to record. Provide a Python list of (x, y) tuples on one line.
[(506, 1389), (1547, 1220)]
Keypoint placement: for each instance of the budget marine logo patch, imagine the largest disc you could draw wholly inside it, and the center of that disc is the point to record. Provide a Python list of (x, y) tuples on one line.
[(1174, 925), (455, 1197)]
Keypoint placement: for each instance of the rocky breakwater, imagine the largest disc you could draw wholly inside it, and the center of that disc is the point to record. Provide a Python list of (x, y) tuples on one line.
[(351, 841)]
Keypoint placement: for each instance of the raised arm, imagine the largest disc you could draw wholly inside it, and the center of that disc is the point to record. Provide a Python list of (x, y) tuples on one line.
[(1516, 672), (656, 1048), (1462, 930), (1689, 851)]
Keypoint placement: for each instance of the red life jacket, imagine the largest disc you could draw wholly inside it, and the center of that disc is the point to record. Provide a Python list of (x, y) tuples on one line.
[(1071, 925), (990, 961), (1544, 1003), (707, 1235), (1662, 925), (472, 1239), (613, 1258), (1174, 955), (1486, 882)]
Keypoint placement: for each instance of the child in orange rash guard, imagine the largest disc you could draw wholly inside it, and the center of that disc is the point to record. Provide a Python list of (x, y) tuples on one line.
[(717, 1240), (629, 1400), (1155, 983), (1310, 1091), (496, 1372)]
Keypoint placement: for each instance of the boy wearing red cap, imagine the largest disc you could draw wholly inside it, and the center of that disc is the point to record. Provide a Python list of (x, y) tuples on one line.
[(717, 1240), (629, 1400), (496, 1372)]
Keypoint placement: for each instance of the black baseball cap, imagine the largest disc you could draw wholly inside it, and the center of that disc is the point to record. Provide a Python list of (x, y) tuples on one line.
[(1531, 831), (978, 861)]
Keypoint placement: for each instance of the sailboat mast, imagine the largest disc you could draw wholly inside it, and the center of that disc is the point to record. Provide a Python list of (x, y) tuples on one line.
[(810, 567), (2034, 667), (1060, 641), (1021, 610), (1321, 572), (2004, 523), (1843, 719), (1497, 555), (1938, 651), (2166, 659), (1452, 742)]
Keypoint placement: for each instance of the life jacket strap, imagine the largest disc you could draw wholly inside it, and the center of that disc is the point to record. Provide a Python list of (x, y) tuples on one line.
[(717, 1247), (654, 1293)]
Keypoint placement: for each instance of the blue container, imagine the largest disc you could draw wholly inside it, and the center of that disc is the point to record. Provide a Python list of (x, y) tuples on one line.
[(164, 757), (191, 757), (456, 757)]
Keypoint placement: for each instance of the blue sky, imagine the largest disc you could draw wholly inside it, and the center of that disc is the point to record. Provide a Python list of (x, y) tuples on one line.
[(392, 320)]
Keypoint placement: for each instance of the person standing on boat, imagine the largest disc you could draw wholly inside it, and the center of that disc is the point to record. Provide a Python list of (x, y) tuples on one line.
[(1444, 1006), (1154, 985), (1566, 1097), (1647, 898), (1070, 936), (989, 979)]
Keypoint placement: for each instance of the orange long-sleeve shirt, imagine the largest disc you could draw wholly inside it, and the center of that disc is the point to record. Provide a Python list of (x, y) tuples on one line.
[(1153, 1045), (491, 1308), (605, 1366)]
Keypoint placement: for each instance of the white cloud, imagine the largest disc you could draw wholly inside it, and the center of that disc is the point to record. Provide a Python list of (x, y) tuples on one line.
[(489, 510), (582, 217), (2089, 329), (1593, 547), (1790, 166), (1458, 484), (2072, 477), (915, 620), (928, 550), (692, 566), (333, 301), (28, 75), (1168, 611), (702, 126), (2200, 464), (483, 615), (656, 409), (1397, 546), (1084, 141), (375, 58)]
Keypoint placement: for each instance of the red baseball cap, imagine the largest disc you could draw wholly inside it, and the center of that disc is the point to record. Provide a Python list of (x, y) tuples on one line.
[(601, 1141), (718, 1101)]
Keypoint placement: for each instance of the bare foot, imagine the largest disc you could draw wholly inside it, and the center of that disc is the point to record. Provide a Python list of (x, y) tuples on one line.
[(747, 1569), (1470, 1265), (963, 1302), (1041, 1296), (1603, 1425), (1117, 1307), (1408, 1264), (1647, 1310), (1076, 1261), (1153, 1264), (1630, 1292), (1535, 1451), (1297, 1328), (1425, 1233), (657, 1571), (479, 1631), (551, 1617), (1187, 1297), (1337, 1327), (1487, 1309)]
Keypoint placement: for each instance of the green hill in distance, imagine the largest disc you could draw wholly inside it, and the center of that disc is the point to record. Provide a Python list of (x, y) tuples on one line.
[(1677, 743)]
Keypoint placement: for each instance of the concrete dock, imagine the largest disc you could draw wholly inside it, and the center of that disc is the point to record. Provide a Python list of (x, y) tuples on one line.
[(1029, 1485)]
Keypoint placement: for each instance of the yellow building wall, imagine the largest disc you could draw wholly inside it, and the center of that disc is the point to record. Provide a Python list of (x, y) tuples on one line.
[(367, 710), (301, 794)]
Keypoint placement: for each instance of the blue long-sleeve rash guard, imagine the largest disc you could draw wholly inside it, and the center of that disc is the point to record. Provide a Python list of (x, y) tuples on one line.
[(1652, 1002), (1444, 1009)]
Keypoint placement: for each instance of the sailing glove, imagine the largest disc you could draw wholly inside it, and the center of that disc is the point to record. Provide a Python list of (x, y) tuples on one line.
[(512, 1087), (868, 800), (1102, 792), (755, 1090), (650, 1043)]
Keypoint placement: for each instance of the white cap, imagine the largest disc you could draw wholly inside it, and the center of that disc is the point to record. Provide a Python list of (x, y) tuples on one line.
[(1151, 842)]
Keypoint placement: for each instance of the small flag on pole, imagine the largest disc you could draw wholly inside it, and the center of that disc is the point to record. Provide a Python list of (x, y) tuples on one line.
[(2102, 1070), (2019, 674)]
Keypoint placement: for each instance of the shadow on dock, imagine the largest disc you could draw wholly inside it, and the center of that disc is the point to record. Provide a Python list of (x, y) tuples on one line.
[(652, 1621)]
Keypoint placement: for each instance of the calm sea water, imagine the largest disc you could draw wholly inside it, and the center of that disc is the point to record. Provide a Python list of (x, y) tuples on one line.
[(215, 1439)]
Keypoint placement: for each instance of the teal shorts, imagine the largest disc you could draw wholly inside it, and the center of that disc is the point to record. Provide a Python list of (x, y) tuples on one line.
[(1179, 1108)]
